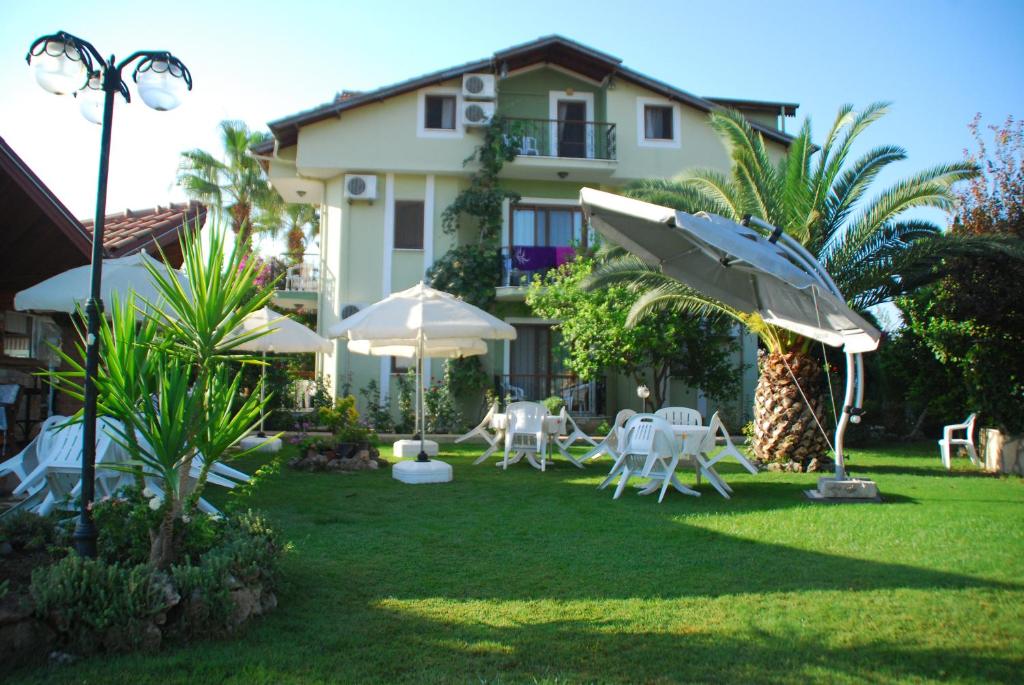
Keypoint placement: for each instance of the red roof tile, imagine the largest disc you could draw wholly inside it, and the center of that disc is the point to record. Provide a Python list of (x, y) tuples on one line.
[(134, 229)]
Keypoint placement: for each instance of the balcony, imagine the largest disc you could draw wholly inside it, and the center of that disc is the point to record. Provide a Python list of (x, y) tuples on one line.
[(582, 150), (299, 282), (520, 263), (582, 398)]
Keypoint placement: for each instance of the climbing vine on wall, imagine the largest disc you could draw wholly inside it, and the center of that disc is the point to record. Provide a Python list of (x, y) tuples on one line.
[(472, 271)]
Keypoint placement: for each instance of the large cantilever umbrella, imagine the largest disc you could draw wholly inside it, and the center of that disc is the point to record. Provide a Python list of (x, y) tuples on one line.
[(69, 290), (767, 273), (418, 323), (285, 336)]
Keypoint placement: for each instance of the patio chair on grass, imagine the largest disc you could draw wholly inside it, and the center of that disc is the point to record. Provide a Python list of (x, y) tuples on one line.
[(716, 428), (610, 443), (484, 429), (526, 435), (705, 468), (948, 442), (680, 416), (649, 451), (565, 422)]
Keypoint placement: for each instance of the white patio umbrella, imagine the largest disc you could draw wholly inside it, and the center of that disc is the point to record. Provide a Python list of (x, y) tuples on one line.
[(417, 323), (69, 290), (286, 336), (771, 275)]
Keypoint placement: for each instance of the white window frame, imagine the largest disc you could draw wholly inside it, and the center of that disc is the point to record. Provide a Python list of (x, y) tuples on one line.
[(421, 114), (585, 97), (677, 120)]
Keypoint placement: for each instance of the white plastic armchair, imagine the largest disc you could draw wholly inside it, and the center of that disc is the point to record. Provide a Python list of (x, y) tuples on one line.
[(565, 422), (680, 416), (717, 429), (648, 451), (705, 468), (526, 435), (483, 429), (610, 443), (949, 441)]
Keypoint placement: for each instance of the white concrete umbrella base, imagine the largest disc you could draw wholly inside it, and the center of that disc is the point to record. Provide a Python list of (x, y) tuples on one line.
[(411, 448), (413, 472), (265, 444)]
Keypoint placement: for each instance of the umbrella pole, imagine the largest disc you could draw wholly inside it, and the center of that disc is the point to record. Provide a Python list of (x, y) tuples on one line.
[(419, 393), (263, 386)]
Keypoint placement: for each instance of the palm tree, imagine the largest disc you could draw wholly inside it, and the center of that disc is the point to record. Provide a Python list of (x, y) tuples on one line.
[(818, 197), (236, 186), (300, 224)]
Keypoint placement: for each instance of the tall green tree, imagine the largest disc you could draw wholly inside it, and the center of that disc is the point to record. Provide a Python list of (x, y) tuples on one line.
[(819, 196), (233, 185)]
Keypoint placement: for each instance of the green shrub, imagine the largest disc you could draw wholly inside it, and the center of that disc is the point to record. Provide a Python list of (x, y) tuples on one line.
[(378, 410), (84, 598), (25, 531), (206, 600), (554, 404), (343, 421)]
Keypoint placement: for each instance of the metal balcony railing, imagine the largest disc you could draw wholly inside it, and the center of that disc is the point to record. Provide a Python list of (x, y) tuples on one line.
[(582, 398), (299, 272), (561, 138)]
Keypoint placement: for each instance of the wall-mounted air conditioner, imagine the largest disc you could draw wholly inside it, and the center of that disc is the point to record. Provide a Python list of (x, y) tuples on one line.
[(477, 113), (478, 86), (360, 187)]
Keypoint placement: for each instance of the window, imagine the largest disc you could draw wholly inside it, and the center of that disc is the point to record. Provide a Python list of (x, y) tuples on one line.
[(402, 364), (408, 225), (17, 335), (658, 122), (439, 112), (547, 226)]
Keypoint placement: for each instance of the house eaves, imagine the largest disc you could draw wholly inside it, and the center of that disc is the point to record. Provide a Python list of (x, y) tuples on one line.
[(548, 48)]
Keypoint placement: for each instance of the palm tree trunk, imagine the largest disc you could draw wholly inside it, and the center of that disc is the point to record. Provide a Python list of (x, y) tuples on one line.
[(785, 429)]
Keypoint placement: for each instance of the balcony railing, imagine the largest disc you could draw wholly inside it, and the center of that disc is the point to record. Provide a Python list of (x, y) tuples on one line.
[(561, 138), (582, 398), (298, 272), (520, 263)]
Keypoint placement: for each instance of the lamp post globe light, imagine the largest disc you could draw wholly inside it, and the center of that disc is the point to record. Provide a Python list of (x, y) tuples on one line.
[(643, 392), (65, 64)]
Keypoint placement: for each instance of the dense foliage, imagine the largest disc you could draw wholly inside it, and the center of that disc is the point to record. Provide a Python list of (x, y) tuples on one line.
[(597, 336), (973, 319)]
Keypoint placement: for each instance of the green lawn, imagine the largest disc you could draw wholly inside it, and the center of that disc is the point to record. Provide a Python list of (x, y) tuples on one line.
[(538, 577)]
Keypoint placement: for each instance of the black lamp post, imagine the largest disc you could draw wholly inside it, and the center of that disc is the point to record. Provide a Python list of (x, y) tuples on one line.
[(66, 64)]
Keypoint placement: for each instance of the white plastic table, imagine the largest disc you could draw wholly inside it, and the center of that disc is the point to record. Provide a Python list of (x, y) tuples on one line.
[(553, 426)]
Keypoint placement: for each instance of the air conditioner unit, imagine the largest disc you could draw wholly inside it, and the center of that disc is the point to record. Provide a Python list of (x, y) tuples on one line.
[(360, 187), (477, 113), (478, 86)]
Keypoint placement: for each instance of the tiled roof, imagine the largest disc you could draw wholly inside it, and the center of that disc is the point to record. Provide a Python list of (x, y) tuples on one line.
[(135, 229)]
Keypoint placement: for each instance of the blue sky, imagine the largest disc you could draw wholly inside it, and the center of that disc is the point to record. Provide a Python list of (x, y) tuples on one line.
[(939, 62)]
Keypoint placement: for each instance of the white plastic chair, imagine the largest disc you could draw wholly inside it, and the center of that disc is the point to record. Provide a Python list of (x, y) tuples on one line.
[(564, 423), (948, 442), (526, 435), (610, 443), (680, 416), (705, 468), (716, 428), (649, 451), (483, 429)]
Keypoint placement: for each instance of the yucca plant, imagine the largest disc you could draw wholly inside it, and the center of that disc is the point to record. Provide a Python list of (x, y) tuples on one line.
[(171, 380), (819, 197)]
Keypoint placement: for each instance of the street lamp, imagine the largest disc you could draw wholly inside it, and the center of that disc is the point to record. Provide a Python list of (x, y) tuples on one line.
[(65, 64), (643, 392)]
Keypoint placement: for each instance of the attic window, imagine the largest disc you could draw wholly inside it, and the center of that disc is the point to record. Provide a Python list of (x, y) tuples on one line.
[(440, 112), (658, 122)]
